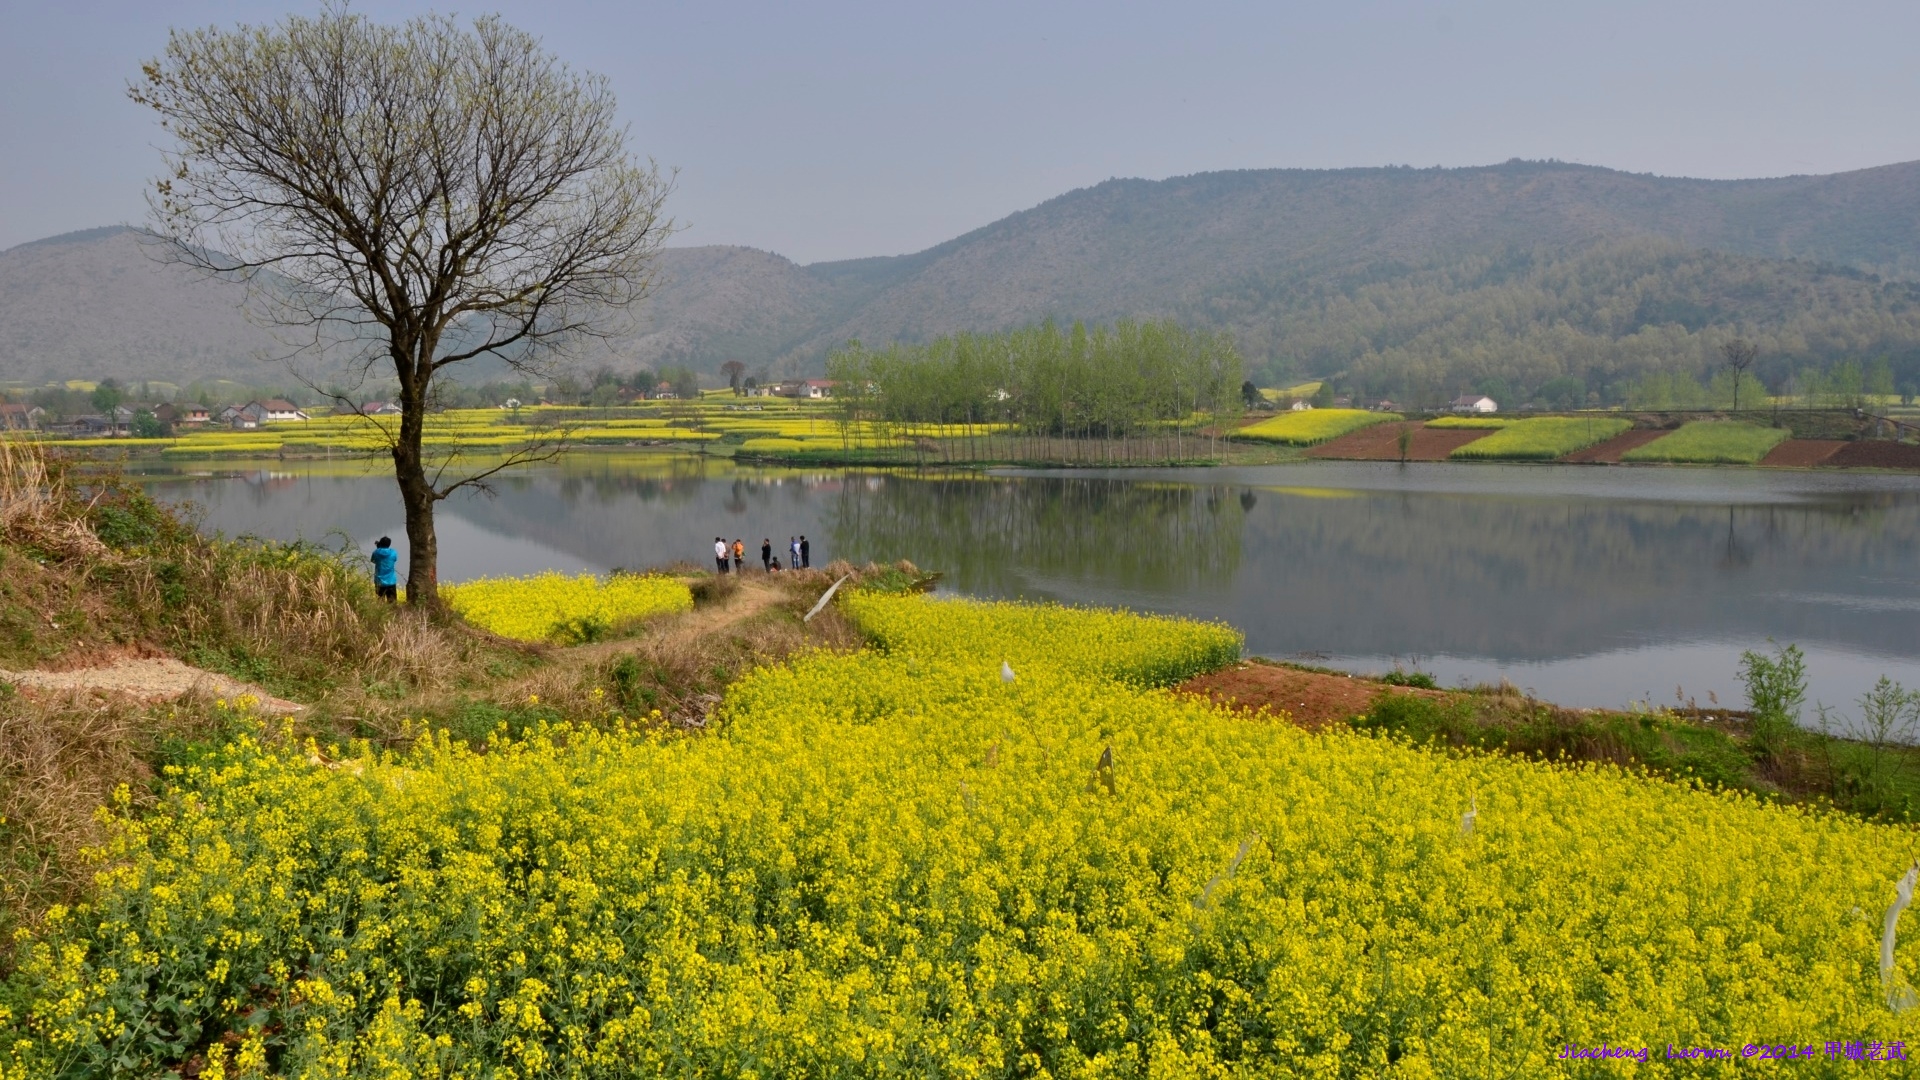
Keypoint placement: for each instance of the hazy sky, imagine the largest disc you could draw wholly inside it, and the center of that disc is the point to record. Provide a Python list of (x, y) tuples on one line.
[(833, 130)]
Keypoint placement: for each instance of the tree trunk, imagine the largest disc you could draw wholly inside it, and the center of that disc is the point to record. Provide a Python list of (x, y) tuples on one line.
[(416, 495), (416, 491)]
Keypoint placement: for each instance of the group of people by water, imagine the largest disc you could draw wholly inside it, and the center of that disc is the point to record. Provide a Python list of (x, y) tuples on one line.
[(733, 557)]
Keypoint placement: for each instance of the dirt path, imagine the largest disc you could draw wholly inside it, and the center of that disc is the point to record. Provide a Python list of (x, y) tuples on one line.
[(1801, 453), (1381, 442), (755, 593), (157, 678), (1609, 452), (1313, 699)]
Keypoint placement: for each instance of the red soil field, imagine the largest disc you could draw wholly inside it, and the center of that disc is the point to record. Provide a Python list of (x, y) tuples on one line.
[(1381, 442), (1608, 453), (1801, 453), (1310, 698), (1876, 454)]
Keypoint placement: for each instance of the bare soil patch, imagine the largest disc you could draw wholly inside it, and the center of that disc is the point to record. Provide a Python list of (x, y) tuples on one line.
[(148, 678), (1876, 454), (1311, 698), (1611, 451), (1381, 442), (1801, 453)]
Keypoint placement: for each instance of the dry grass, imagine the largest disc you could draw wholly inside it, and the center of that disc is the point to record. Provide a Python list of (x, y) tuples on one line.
[(61, 759), (36, 504)]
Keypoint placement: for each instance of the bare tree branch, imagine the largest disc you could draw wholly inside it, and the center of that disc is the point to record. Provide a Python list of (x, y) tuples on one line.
[(417, 196)]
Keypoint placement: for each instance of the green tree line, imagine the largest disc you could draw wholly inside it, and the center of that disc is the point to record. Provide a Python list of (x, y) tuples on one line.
[(1133, 380), (1567, 328)]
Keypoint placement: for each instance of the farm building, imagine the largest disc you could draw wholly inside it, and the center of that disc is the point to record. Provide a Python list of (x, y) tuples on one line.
[(15, 417), (182, 415)]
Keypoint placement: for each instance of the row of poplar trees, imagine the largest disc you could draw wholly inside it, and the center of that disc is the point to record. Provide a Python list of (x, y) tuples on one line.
[(1152, 389)]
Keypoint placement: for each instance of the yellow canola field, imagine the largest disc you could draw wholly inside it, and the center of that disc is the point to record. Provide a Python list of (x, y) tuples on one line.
[(558, 607), (1311, 427), (897, 863)]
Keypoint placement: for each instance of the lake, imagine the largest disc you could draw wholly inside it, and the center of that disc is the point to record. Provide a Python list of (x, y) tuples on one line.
[(1587, 586)]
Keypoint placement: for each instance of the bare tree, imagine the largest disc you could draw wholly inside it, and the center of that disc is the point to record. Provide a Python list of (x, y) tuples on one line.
[(1739, 355), (426, 194), (733, 370)]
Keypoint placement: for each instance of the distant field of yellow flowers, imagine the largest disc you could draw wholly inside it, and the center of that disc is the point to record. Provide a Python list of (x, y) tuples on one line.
[(765, 426), (1312, 426), (990, 844)]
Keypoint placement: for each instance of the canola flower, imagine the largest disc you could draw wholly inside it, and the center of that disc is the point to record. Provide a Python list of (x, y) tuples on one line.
[(1143, 650), (1543, 438), (895, 863), (1311, 427), (557, 607)]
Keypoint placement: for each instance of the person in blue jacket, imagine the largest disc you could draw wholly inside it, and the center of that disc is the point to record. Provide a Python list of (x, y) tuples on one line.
[(386, 561)]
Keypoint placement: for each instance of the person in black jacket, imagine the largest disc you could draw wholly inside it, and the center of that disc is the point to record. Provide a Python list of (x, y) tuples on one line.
[(806, 552), (766, 554)]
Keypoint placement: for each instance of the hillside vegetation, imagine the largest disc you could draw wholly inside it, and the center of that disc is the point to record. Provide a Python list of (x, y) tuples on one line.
[(1411, 283)]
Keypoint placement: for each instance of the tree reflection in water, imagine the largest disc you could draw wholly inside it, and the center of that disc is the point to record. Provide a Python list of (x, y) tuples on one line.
[(1037, 535)]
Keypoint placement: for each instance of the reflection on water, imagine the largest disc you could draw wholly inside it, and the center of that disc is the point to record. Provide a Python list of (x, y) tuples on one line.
[(1591, 586)]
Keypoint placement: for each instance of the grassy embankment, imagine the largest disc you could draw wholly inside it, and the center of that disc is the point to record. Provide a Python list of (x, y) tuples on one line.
[(1868, 765)]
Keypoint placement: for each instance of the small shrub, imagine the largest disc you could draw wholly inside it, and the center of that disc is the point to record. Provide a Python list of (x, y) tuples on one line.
[(1421, 719), (1776, 692), (1410, 678), (1868, 772)]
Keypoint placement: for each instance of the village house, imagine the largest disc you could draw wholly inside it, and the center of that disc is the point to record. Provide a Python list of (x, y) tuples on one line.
[(91, 427), (1302, 405), (182, 415), (14, 417), (1474, 403), (814, 389), (382, 408), (279, 410)]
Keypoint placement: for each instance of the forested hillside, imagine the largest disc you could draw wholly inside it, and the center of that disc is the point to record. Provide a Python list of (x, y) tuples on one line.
[(1406, 282)]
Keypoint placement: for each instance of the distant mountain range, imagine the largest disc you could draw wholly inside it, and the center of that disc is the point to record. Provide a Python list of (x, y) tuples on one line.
[(1527, 270)]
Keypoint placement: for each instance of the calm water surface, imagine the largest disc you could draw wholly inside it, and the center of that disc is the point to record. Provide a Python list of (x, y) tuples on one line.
[(1590, 586)]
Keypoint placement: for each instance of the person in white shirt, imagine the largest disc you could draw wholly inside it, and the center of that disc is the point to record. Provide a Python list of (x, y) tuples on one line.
[(720, 553)]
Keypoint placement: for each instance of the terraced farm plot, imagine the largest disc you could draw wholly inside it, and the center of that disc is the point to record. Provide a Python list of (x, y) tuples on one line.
[(1717, 442), (1489, 423), (1544, 438), (1381, 442), (1310, 427)]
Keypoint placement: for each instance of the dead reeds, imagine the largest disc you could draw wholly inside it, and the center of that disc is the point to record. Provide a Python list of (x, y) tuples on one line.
[(37, 508)]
